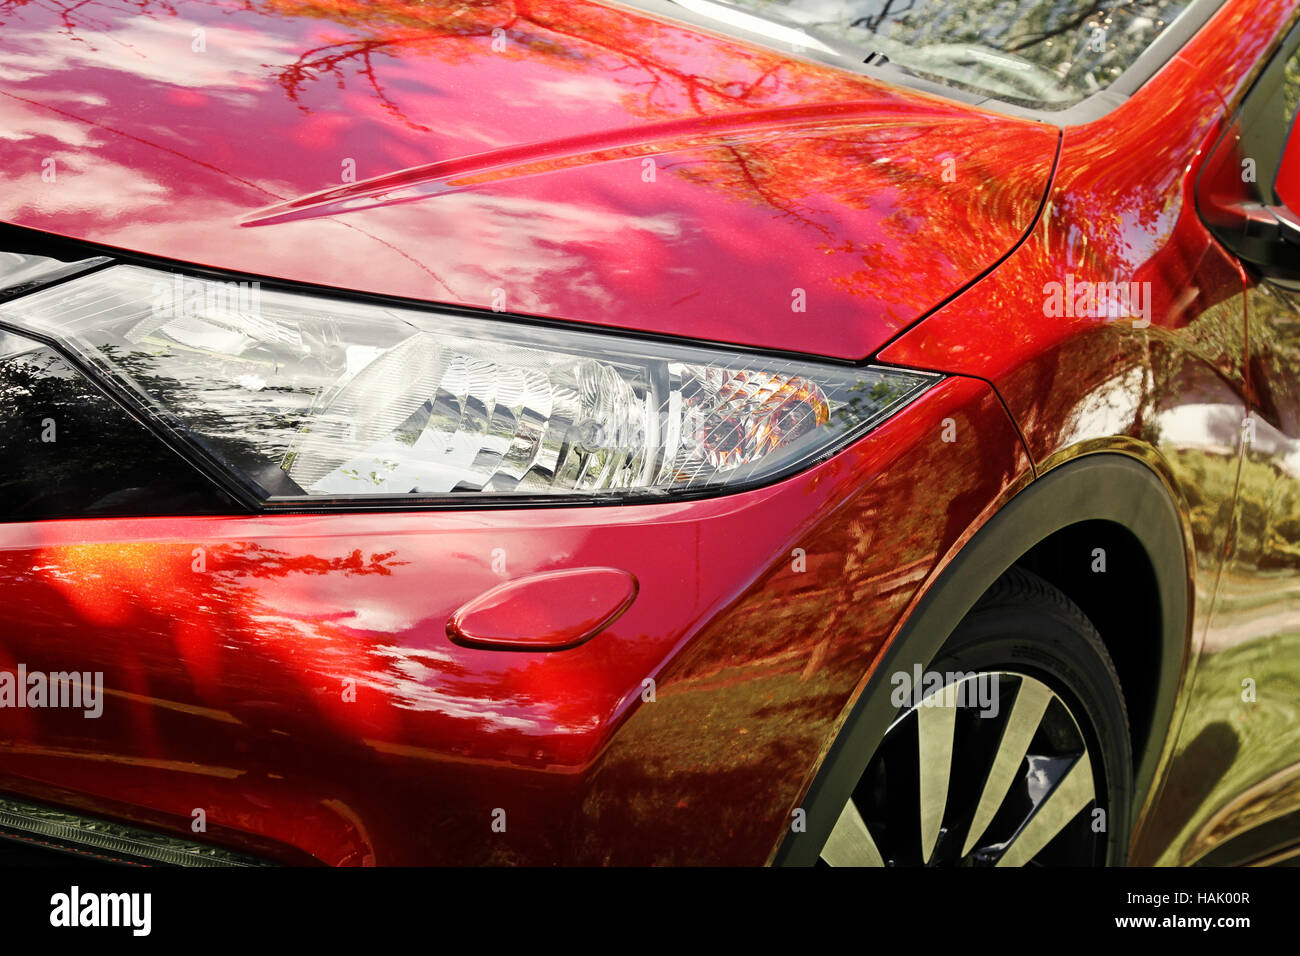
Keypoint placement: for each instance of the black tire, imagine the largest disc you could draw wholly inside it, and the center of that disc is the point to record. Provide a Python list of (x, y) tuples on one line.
[(1024, 685), (1025, 624)]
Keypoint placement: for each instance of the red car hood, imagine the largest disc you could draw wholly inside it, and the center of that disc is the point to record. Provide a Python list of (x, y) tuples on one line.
[(562, 159)]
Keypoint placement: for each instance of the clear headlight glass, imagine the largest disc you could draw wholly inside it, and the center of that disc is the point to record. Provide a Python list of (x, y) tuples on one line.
[(304, 396)]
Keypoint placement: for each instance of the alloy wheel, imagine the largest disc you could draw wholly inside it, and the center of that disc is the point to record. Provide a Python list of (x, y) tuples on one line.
[(991, 769)]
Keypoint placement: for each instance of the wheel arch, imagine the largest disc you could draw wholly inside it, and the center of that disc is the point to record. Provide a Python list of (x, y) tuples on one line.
[(1099, 487)]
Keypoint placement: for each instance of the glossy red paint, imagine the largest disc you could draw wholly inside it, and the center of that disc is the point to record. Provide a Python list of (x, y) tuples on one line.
[(227, 689), (593, 169), (553, 611), (304, 689), (1170, 387)]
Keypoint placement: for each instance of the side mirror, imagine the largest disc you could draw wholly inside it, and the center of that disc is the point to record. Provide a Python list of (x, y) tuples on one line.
[(1248, 193), (1254, 219)]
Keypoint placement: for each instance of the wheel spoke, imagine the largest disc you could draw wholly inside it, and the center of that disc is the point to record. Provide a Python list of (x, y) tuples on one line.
[(850, 843), (936, 717), (1013, 795), (1060, 806), (1026, 714)]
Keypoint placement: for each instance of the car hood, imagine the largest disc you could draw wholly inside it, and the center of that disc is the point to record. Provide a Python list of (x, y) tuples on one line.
[(571, 160)]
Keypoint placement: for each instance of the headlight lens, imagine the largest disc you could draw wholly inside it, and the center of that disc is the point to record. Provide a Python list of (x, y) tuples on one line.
[(304, 396)]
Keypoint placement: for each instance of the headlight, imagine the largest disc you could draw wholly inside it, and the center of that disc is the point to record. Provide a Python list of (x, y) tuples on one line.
[(301, 396)]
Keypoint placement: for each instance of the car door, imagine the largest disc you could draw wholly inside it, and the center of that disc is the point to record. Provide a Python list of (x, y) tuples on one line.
[(1240, 741)]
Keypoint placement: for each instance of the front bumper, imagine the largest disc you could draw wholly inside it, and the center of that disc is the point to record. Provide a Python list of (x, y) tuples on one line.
[(291, 676)]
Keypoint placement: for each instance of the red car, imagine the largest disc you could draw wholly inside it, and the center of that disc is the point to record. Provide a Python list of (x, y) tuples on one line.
[(650, 433)]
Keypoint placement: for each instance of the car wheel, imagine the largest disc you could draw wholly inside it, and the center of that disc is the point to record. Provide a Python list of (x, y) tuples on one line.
[(1012, 748)]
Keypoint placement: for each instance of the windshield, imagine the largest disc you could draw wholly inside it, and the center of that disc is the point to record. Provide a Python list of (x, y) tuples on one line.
[(1044, 54)]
